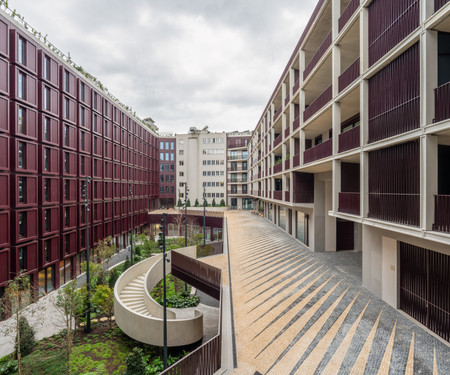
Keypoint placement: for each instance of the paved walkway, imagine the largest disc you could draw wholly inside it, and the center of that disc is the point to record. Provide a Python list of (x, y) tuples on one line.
[(297, 312)]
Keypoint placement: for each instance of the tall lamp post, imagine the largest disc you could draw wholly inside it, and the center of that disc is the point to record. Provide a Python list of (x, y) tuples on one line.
[(162, 246), (204, 215), (131, 238), (185, 213), (85, 193)]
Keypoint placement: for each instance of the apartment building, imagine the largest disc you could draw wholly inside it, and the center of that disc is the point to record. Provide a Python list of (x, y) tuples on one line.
[(201, 164), (237, 171), (352, 150), (167, 171), (58, 127)]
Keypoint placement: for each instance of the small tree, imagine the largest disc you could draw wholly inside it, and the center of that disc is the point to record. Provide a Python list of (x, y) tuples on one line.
[(105, 250), (188, 203), (17, 296), (214, 202), (135, 362), (27, 335), (222, 203), (127, 264), (103, 298), (180, 203), (196, 203), (70, 303)]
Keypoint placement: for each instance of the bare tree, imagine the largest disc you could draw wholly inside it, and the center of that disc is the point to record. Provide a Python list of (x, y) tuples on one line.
[(179, 222)]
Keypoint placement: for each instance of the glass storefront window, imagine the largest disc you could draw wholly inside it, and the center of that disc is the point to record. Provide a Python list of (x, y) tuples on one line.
[(282, 217)]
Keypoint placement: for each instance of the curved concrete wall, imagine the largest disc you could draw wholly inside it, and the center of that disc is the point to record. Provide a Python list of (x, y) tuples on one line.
[(149, 329)]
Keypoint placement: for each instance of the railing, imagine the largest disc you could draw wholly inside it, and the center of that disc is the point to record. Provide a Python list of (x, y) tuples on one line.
[(259, 193), (296, 123), (296, 161), (442, 213), (278, 168), (287, 196), (287, 131), (296, 86), (349, 203), (397, 208), (287, 164), (277, 140), (442, 102), (237, 170), (349, 75), (278, 195), (318, 152), (286, 101), (236, 192), (213, 248), (303, 196), (318, 103), (438, 4), (319, 53), (347, 13), (237, 180), (349, 140), (277, 113)]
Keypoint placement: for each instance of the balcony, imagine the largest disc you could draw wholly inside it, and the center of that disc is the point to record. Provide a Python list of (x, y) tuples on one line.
[(237, 192), (349, 203), (287, 131), (442, 213), (286, 101), (397, 208), (278, 195), (237, 180), (318, 152), (287, 164), (277, 140), (296, 161), (303, 196), (349, 75), (348, 13), (296, 86), (349, 140), (319, 53), (277, 113), (442, 102), (287, 196), (318, 103), (438, 4), (278, 168), (296, 123)]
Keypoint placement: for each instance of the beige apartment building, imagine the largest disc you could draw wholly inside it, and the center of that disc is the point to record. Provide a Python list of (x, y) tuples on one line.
[(352, 150)]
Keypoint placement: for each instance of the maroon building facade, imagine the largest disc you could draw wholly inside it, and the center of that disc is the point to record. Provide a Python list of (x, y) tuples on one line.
[(57, 128), (167, 172)]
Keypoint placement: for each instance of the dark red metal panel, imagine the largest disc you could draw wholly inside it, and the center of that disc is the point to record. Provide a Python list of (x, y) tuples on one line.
[(4, 264), (69, 190), (53, 78), (69, 218), (53, 243), (4, 153), (318, 103), (30, 51), (4, 77), (51, 183), (69, 136), (4, 37), (54, 221), (5, 224), (442, 102), (68, 163), (345, 235), (69, 244), (53, 129), (30, 121), (29, 194), (48, 160), (4, 115), (53, 109), (5, 199)]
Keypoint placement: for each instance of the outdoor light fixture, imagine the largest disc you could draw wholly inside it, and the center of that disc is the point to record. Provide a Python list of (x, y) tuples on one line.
[(85, 195)]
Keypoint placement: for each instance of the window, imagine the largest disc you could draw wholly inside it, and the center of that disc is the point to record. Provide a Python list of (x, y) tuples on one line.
[(181, 142), (167, 178), (161, 145), (161, 178), (81, 119), (46, 98), (167, 190), (21, 120), (95, 144), (21, 53), (21, 85), (21, 161), (66, 80), (66, 216), (82, 91), (46, 159), (181, 152), (23, 258), (167, 167), (172, 156), (47, 190), (22, 224), (82, 165), (47, 248), (46, 129), (66, 108), (66, 135), (181, 163), (105, 109), (161, 156), (172, 189), (66, 162), (22, 189), (82, 136), (172, 145), (167, 145), (172, 167), (171, 178), (47, 220), (161, 167), (95, 123), (167, 156), (66, 189), (161, 189)]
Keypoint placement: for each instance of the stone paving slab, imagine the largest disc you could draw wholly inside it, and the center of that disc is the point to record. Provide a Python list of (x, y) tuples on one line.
[(298, 312)]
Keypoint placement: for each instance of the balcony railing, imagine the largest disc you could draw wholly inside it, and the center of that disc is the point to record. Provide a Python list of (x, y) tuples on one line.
[(238, 191), (278, 195), (286, 101), (318, 152), (318, 103), (349, 203), (349, 75), (296, 86), (349, 140), (287, 164), (438, 4), (277, 140), (278, 168), (296, 161), (442, 102), (397, 208), (287, 131), (237, 180), (319, 53), (277, 113), (442, 213), (287, 196), (296, 123), (347, 13), (303, 196), (238, 170)]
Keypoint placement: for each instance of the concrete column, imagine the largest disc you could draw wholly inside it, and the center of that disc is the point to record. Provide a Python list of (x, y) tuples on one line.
[(336, 126), (283, 94), (426, 10), (364, 184), (389, 270), (336, 184), (428, 74), (364, 39), (371, 260), (291, 81), (335, 13), (302, 66), (318, 234), (364, 111), (336, 68), (302, 145), (428, 179)]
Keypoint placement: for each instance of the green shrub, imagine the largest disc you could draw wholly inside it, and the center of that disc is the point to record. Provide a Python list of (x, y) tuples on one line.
[(222, 203), (196, 203), (113, 276), (213, 202), (135, 362), (27, 339), (8, 366), (127, 264), (188, 203)]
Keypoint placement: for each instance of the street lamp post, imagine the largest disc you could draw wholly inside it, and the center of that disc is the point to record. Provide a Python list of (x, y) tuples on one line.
[(204, 215), (162, 246), (88, 280), (185, 213), (131, 238)]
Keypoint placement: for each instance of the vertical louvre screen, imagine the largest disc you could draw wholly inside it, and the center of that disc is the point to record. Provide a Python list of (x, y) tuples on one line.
[(425, 287), (394, 92), (394, 184)]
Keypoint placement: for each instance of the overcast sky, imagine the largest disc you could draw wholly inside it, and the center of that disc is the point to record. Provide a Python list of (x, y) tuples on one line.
[(182, 62)]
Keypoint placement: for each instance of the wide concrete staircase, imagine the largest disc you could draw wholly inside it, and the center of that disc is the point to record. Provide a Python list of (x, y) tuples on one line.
[(132, 295)]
